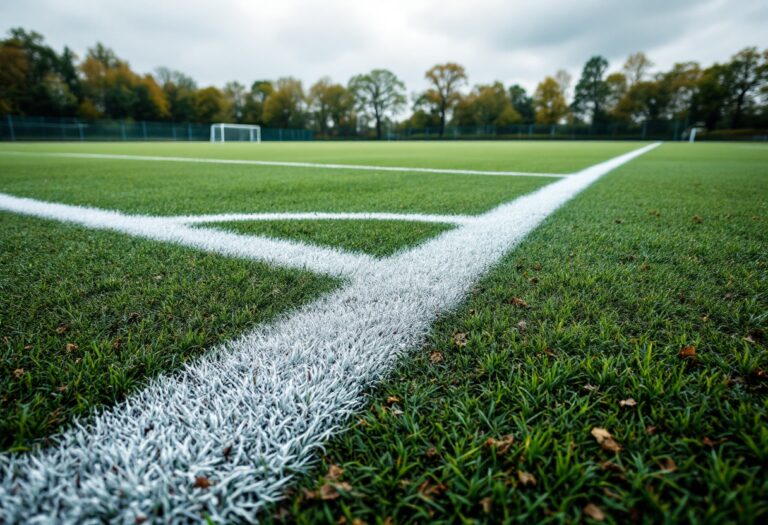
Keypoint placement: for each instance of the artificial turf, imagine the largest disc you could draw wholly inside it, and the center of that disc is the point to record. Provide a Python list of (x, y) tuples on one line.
[(532, 156), (375, 237), (165, 188), (640, 309), (86, 317)]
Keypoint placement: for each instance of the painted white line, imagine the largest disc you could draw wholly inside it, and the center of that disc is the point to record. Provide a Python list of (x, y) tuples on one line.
[(355, 167), (292, 254), (252, 413), (318, 216)]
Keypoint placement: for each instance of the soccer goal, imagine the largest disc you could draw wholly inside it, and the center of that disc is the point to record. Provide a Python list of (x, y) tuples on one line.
[(235, 133)]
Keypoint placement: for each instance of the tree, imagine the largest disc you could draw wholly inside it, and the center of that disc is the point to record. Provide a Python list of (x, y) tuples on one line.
[(253, 112), (14, 71), (592, 90), (681, 84), (284, 108), (745, 74), (180, 92), (487, 105), (210, 105), (234, 93), (551, 107), (446, 79), (522, 103), (378, 94), (331, 105), (617, 90), (564, 80), (636, 68)]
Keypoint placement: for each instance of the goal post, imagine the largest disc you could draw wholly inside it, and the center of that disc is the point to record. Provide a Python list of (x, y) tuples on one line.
[(221, 132)]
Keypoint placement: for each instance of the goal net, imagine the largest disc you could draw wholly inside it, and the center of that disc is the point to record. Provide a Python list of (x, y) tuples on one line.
[(235, 133)]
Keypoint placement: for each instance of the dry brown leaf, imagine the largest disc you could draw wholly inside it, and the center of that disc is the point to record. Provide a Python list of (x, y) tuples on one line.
[(590, 388), (651, 429), (606, 440), (134, 317), (201, 482), (62, 388), (18, 373), (487, 504), (460, 339), (391, 400), (141, 518), (668, 465), (27, 347), (501, 445), (334, 472), (436, 357), (611, 467), (689, 352), (431, 452), (428, 490), (62, 328), (522, 326), (516, 301), (330, 491), (628, 403), (594, 512), (526, 479), (71, 347)]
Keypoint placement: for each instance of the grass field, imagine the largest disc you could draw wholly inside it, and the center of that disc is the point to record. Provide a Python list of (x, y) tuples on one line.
[(640, 307)]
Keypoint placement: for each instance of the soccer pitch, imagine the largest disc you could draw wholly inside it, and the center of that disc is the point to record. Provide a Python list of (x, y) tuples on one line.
[(384, 331)]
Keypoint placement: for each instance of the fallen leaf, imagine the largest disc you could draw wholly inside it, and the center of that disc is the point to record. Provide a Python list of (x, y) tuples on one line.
[(651, 429), (27, 347), (522, 326), (526, 479), (590, 388), (689, 352), (18, 373), (612, 467), (330, 491), (431, 452), (460, 339), (71, 347), (668, 465), (62, 388), (134, 317), (436, 357), (697, 219), (516, 301), (201, 482), (606, 440), (117, 343), (141, 518), (63, 327), (391, 400), (533, 280), (472, 311), (594, 512), (487, 504), (628, 403), (501, 445), (334, 472), (428, 490)]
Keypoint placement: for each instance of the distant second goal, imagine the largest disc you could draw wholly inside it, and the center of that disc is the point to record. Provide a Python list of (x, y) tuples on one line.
[(221, 132)]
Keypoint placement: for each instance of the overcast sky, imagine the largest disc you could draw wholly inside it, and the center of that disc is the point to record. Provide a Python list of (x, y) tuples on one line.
[(215, 41)]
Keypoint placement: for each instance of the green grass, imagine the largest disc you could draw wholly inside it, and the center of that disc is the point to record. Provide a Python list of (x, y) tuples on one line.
[(667, 252), (550, 157), (375, 237), (164, 188), (131, 308)]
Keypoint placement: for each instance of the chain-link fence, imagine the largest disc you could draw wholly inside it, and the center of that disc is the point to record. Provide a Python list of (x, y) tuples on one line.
[(72, 129)]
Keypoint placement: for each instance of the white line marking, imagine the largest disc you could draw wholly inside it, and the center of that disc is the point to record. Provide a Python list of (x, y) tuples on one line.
[(317, 216), (355, 167), (292, 254), (270, 397)]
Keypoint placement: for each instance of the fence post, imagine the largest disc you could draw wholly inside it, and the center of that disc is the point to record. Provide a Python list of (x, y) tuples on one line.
[(645, 122), (10, 128), (82, 133), (189, 131), (144, 128), (122, 130)]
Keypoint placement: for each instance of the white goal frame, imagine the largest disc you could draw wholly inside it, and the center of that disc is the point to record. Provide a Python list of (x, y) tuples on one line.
[(254, 131)]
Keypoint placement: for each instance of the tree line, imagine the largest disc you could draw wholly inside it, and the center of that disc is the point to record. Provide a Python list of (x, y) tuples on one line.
[(35, 80)]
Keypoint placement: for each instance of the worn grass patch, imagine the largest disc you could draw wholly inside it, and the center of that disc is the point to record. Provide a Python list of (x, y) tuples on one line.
[(639, 309), (86, 317), (375, 237)]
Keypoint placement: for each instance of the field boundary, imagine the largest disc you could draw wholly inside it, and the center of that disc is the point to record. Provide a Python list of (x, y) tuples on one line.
[(312, 165), (253, 412)]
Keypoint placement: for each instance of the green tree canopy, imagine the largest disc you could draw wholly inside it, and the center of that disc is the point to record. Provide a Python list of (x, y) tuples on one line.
[(378, 94)]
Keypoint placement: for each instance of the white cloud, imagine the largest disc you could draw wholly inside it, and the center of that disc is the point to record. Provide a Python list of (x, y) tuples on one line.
[(512, 41)]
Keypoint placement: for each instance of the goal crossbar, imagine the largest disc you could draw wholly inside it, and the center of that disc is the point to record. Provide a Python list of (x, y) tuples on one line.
[(218, 131)]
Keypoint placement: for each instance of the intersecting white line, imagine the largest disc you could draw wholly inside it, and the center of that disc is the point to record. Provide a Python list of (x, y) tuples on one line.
[(313, 165), (318, 216), (269, 398)]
